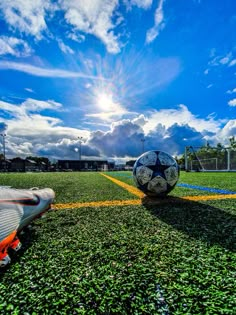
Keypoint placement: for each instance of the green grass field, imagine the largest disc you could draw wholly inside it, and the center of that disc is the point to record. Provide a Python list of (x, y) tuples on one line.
[(175, 257)]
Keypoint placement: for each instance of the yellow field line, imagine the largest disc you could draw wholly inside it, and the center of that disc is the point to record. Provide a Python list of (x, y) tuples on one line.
[(107, 203), (139, 194), (133, 190), (138, 202), (209, 197), (135, 202)]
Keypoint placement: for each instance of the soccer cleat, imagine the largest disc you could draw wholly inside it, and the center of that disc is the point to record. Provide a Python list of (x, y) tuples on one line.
[(18, 208)]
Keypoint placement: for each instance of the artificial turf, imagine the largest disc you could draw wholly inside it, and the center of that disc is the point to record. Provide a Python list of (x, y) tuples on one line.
[(177, 257)]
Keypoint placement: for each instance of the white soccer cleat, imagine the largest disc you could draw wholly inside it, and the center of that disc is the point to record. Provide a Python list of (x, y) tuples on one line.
[(37, 202), (18, 208)]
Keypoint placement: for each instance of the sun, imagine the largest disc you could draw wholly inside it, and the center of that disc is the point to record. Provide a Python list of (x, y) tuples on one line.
[(107, 105), (105, 102)]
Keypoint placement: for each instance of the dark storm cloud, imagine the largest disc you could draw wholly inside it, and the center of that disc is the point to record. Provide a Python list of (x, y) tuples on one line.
[(67, 150), (180, 136), (173, 139), (124, 139)]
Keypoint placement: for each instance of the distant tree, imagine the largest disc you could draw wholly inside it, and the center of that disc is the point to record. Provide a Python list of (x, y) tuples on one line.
[(130, 163), (180, 160), (232, 141), (16, 158), (220, 146)]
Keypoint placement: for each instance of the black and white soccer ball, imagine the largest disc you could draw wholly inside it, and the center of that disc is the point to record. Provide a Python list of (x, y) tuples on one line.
[(155, 173)]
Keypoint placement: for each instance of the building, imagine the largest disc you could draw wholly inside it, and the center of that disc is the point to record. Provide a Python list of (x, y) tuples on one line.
[(23, 165), (30, 165), (84, 165), (5, 165)]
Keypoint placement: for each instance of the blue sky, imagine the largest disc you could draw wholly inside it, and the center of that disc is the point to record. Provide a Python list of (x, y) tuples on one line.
[(115, 72)]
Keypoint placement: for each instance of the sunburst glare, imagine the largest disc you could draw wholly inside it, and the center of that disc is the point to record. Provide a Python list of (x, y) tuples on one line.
[(105, 102)]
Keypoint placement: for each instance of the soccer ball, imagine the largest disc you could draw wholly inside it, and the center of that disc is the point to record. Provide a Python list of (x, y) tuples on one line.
[(155, 173)]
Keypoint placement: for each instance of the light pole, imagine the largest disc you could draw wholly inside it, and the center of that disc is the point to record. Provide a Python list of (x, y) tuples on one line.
[(143, 140), (4, 149), (80, 145)]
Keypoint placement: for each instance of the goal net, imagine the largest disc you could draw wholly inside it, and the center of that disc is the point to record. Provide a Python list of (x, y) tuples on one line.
[(210, 159), (204, 164)]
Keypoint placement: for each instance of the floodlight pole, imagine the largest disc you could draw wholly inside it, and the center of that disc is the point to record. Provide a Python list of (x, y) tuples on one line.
[(186, 158), (80, 145), (143, 140), (4, 149), (228, 159)]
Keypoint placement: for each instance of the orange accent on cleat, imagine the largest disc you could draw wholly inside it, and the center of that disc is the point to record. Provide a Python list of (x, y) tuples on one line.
[(3, 253), (5, 243), (15, 244)]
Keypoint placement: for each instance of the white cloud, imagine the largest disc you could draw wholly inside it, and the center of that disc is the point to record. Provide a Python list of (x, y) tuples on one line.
[(99, 18), (26, 16), (44, 72), (222, 60), (231, 91), (229, 129), (182, 116), (225, 60), (32, 133), (95, 17), (232, 102), (159, 24), (76, 37), (36, 105), (28, 106), (144, 4), (109, 116), (14, 46), (141, 120), (65, 48), (29, 90), (232, 63), (209, 86), (11, 108)]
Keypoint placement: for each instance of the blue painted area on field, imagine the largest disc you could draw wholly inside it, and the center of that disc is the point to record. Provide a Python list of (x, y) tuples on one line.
[(210, 189)]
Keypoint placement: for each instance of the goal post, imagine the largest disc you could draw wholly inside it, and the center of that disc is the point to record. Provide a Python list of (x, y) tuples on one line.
[(206, 159), (210, 164)]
